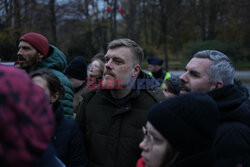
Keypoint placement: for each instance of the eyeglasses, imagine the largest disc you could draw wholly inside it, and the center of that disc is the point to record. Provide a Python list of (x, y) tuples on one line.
[(148, 137)]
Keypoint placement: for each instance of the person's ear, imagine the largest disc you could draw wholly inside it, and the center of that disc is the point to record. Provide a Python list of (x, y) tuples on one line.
[(136, 70), (54, 97), (40, 56), (217, 85)]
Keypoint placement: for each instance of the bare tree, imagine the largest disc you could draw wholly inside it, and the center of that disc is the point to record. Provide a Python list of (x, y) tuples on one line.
[(53, 21), (167, 9)]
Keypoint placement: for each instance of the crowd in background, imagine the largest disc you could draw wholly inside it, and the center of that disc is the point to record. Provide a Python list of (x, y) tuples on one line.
[(110, 113)]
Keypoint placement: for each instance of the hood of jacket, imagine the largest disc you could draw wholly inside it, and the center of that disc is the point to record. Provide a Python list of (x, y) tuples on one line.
[(233, 104), (56, 60)]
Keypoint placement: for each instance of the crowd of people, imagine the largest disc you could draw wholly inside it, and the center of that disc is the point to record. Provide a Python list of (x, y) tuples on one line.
[(110, 113)]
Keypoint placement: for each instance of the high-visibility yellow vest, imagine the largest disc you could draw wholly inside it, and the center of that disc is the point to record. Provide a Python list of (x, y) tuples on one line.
[(167, 75)]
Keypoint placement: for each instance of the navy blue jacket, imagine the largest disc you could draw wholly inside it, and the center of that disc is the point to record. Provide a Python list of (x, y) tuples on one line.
[(233, 137), (68, 141), (48, 159)]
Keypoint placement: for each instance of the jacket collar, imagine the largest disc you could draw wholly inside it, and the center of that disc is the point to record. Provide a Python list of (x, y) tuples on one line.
[(233, 104)]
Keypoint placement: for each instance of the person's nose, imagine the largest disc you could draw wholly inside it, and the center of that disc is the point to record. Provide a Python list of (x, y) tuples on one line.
[(184, 78), (144, 145), (20, 51), (108, 64)]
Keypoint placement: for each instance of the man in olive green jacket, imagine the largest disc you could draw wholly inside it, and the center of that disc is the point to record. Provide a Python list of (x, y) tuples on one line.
[(112, 115)]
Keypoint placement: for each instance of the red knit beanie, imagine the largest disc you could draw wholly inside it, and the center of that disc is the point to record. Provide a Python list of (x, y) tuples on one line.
[(38, 41)]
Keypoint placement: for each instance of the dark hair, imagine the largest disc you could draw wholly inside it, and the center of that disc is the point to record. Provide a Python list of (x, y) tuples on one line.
[(54, 84), (174, 85)]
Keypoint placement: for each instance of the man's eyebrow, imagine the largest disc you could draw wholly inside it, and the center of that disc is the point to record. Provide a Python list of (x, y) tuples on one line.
[(117, 58), (194, 72), (23, 46)]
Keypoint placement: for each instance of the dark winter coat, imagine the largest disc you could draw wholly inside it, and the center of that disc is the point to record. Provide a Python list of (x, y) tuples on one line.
[(56, 63), (48, 159), (113, 128), (78, 96), (68, 141), (233, 137)]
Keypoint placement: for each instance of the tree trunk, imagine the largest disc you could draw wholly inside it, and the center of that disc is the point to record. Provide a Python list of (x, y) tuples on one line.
[(203, 20), (164, 21), (53, 21), (114, 20), (17, 16), (8, 6), (212, 19)]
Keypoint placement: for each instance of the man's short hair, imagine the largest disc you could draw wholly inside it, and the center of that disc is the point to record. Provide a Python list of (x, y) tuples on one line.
[(134, 47), (221, 67)]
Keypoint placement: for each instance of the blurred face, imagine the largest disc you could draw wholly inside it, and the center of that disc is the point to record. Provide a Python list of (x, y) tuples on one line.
[(39, 81), (42, 83), (95, 69), (154, 147), (119, 65), (28, 56), (153, 68), (196, 77), (166, 92)]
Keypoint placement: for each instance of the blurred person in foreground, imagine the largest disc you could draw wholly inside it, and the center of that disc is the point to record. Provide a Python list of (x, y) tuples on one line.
[(35, 53), (26, 122), (67, 140), (180, 132), (111, 117), (212, 72)]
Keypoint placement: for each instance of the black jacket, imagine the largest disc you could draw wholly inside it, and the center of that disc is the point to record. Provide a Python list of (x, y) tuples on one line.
[(47, 159), (233, 137), (68, 141), (112, 127)]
